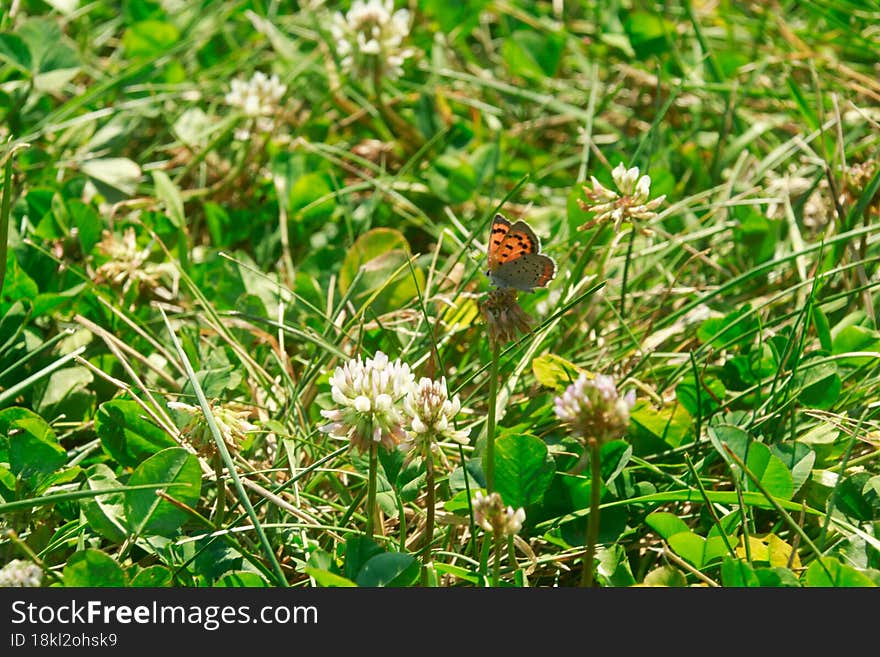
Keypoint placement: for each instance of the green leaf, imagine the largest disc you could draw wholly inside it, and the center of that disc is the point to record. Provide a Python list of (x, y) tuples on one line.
[(126, 434), (455, 18), (47, 46), (776, 577), (858, 496), (381, 256), (61, 385), (823, 330), (119, 173), (88, 224), (59, 477), (722, 332), (647, 33), (168, 193), (472, 472), (798, 458), (411, 481), (523, 469), (452, 178), (148, 513), (716, 548), (688, 546), (735, 572), (305, 198), (216, 558), (15, 52), (852, 339), (614, 567), (555, 371), (711, 389), (7, 481), (389, 569), (34, 452), (327, 579), (533, 54), (458, 503), (10, 418), (153, 576), (44, 304), (818, 386), (656, 430), (837, 575), (367, 248), (615, 456), (55, 80), (92, 568), (767, 468), (39, 48), (359, 550), (242, 579), (665, 576), (697, 550), (149, 38), (105, 513), (666, 524), (17, 285)]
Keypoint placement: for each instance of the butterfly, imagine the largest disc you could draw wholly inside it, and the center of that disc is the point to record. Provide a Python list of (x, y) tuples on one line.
[(515, 260)]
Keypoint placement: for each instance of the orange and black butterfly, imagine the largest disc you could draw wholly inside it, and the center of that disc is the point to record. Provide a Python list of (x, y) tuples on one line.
[(515, 258)]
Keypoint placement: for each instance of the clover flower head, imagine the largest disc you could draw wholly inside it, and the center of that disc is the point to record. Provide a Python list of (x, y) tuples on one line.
[(21, 574), (504, 317), (369, 38), (129, 265), (231, 420), (259, 99), (370, 394), (491, 514), (259, 96), (594, 409), (630, 202), (432, 414)]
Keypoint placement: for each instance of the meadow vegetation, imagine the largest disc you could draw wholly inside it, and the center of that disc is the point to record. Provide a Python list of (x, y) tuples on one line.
[(260, 325)]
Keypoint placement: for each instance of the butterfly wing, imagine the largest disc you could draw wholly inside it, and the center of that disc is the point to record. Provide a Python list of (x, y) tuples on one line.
[(526, 272), (500, 228), (510, 241)]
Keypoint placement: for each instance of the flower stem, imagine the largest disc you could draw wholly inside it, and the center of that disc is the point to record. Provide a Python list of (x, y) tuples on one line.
[(371, 488), (429, 503), (629, 250), (220, 507), (489, 465), (485, 548), (496, 561), (593, 520), (429, 521)]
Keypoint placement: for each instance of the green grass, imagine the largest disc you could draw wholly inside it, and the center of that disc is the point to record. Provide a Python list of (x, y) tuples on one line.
[(354, 218)]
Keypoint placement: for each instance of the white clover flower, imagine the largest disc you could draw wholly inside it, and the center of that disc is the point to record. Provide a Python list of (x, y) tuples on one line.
[(231, 420), (491, 514), (432, 415), (259, 96), (593, 408), (628, 203), (259, 99), (19, 574), (370, 394), (369, 38), (128, 265)]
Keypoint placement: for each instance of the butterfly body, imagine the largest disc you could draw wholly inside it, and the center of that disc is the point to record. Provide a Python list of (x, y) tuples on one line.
[(514, 255)]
